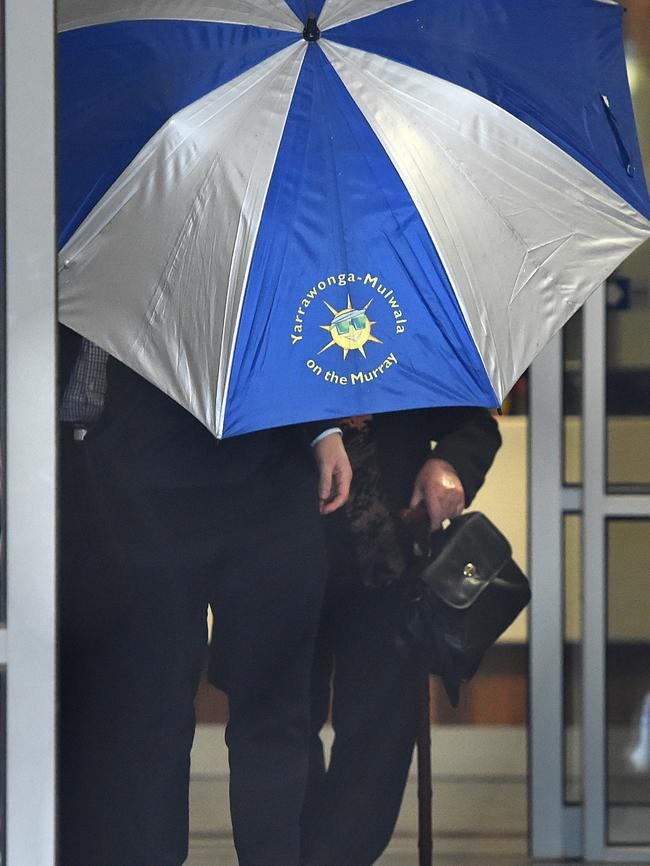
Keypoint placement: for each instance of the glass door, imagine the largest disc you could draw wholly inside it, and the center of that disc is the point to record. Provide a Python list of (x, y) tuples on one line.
[(590, 548), (616, 531), (616, 551)]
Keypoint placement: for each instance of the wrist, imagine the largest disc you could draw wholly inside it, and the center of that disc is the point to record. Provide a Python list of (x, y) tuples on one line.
[(324, 434)]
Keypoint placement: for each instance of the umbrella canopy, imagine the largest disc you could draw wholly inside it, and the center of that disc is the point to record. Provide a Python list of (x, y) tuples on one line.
[(278, 216)]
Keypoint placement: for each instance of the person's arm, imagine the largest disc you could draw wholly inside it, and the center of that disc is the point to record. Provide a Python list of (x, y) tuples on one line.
[(334, 470), (467, 442)]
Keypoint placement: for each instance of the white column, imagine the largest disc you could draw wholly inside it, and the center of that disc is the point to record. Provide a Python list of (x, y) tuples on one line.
[(30, 471), (555, 827)]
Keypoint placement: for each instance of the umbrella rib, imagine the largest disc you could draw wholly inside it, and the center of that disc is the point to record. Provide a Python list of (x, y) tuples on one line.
[(268, 14), (338, 12), (443, 218), (366, 70), (374, 80), (223, 381), (149, 152), (140, 173)]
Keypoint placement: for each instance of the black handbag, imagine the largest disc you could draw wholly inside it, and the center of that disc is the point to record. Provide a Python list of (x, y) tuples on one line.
[(461, 597)]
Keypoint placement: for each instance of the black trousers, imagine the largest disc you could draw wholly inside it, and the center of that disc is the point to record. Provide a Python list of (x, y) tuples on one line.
[(352, 806), (129, 680)]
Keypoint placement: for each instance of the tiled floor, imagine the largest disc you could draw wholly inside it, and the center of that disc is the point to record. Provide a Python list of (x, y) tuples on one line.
[(215, 854), (479, 784), (480, 802)]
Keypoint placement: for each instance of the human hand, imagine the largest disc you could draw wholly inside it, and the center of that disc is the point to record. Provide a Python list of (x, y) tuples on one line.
[(335, 472), (438, 488)]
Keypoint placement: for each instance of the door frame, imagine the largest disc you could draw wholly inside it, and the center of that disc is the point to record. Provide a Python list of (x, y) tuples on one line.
[(559, 829)]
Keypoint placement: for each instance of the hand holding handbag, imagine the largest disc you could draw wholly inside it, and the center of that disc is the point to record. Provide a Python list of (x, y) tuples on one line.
[(460, 597)]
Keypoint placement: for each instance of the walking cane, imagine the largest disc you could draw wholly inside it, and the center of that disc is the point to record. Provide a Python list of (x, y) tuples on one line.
[(425, 819)]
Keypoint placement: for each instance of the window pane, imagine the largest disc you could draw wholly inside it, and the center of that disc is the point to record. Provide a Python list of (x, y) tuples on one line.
[(572, 398), (3, 701), (3, 762), (628, 314), (628, 681), (572, 658), (628, 381), (3, 354)]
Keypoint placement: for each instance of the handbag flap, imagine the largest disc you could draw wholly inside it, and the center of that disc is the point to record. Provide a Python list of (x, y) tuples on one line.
[(464, 559)]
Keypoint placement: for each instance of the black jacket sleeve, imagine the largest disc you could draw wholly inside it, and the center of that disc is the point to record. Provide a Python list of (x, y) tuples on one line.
[(68, 346), (467, 438), (309, 430)]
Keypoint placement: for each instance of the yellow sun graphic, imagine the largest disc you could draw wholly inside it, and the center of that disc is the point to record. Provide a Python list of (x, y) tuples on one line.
[(349, 329)]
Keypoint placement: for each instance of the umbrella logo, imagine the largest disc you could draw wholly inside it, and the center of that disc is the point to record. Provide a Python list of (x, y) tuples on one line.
[(349, 329)]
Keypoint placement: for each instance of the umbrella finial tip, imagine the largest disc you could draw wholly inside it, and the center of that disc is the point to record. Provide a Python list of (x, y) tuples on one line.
[(311, 33)]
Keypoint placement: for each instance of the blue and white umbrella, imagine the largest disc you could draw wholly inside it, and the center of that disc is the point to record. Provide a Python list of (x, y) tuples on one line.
[(389, 204)]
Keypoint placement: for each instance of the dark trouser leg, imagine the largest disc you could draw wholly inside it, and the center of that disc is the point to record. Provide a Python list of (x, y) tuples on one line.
[(135, 702), (322, 670), (266, 616), (375, 720), (88, 594)]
